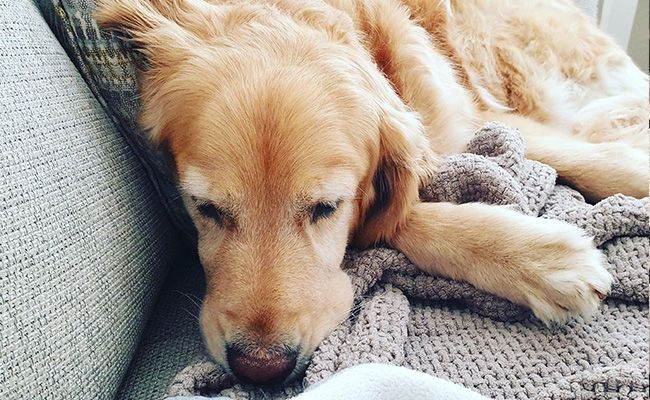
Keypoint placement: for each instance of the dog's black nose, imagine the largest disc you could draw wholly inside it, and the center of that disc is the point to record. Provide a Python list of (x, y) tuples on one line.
[(260, 366)]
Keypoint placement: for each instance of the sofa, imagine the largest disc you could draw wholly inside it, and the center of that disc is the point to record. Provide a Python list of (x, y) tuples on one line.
[(100, 285), (97, 285)]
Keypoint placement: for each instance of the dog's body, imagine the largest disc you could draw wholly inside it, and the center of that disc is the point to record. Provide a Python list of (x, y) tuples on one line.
[(298, 126)]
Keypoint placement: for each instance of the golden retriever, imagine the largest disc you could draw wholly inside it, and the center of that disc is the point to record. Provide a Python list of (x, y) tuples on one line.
[(297, 127)]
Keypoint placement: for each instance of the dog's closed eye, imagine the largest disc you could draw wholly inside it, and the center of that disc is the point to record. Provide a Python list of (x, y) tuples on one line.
[(213, 212), (324, 210)]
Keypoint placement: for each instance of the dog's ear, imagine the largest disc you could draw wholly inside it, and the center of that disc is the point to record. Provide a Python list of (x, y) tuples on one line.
[(147, 25), (167, 33), (404, 159)]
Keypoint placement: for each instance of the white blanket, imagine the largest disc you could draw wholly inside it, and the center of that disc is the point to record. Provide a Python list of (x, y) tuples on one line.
[(378, 382)]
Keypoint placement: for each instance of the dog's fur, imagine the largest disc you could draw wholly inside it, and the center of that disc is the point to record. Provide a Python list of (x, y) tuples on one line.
[(299, 126)]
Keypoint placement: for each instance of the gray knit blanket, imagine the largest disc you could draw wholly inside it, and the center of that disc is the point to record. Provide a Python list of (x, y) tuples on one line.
[(454, 331)]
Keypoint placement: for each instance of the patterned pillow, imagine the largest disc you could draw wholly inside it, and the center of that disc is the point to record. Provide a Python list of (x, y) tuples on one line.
[(109, 68)]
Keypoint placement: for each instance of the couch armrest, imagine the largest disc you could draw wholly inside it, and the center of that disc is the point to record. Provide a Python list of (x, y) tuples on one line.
[(84, 240)]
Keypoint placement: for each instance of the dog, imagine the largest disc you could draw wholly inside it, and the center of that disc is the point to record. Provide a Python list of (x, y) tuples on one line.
[(300, 127)]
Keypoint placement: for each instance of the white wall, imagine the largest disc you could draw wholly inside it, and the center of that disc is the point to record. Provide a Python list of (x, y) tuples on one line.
[(627, 22)]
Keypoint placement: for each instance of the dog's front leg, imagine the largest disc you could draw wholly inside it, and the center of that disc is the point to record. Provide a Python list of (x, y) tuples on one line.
[(547, 265)]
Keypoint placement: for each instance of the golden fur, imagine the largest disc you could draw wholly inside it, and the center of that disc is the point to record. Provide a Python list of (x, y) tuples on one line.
[(300, 126)]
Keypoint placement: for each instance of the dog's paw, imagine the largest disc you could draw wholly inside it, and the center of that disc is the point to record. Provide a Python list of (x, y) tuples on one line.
[(568, 277)]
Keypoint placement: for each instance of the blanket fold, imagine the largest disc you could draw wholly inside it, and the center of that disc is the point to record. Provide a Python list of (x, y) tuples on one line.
[(454, 331)]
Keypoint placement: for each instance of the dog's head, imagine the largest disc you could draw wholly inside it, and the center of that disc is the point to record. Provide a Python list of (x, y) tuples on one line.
[(288, 143)]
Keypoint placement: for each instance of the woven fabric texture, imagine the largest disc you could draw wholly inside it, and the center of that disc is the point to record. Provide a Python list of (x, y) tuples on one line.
[(452, 330), (172, 339), (84, 240), (109, 69)]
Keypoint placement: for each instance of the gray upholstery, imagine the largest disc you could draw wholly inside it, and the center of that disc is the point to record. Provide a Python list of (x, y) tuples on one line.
[(108, 66), (84, 243), (172, 339)]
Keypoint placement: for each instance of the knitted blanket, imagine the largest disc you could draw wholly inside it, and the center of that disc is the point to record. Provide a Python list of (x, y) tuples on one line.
[(454, 331)]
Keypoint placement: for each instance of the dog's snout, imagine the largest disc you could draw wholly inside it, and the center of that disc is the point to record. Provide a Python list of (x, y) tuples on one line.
[(261, 366)]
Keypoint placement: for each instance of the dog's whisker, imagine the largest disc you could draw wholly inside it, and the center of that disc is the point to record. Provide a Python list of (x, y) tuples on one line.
[(194, 316), (197, 298), (194, 300)]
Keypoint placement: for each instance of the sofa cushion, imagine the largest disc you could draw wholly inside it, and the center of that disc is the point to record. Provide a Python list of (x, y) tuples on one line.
[(84, 240), (172, 340), (108, 66)]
